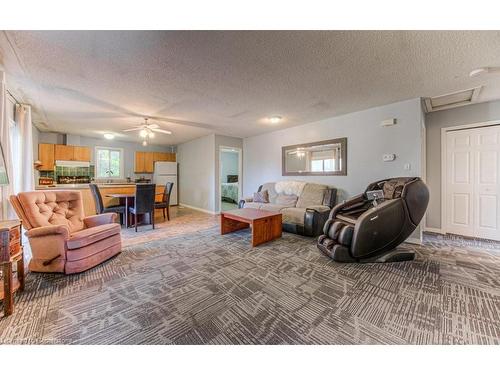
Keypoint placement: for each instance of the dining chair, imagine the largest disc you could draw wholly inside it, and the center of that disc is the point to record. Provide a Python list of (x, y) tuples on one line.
[(99, 205), (165, 201), (144, 202)]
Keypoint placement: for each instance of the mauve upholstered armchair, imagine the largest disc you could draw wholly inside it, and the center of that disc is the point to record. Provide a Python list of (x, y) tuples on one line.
[(61, 238)]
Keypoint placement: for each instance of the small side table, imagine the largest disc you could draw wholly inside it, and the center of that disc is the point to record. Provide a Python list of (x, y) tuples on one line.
[(11, 251)]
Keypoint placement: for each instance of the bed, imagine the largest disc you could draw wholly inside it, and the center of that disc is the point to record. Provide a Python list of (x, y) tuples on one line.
[(229, 190)]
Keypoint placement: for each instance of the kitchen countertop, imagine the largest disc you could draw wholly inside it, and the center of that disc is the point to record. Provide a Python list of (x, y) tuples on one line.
[(83, 186)]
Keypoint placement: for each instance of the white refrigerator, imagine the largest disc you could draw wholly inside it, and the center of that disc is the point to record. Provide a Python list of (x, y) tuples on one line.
[(166, 171)]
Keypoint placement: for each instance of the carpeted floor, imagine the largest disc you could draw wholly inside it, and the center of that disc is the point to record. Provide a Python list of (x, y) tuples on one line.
[(203, 288)]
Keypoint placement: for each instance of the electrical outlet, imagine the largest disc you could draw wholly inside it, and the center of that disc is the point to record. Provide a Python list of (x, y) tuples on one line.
[(407, 166)]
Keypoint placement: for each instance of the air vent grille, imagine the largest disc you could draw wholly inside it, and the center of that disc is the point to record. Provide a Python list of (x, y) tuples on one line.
[(455, 99)]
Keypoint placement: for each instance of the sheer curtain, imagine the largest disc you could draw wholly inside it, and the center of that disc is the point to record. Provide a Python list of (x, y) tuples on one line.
[(6, 211), (22, 150)]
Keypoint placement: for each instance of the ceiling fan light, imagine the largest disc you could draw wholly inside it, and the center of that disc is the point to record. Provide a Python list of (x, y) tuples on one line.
[(144, 143), (151, 134), (143, 133)]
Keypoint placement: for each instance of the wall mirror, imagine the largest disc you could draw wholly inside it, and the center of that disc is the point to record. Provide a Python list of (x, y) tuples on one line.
[(325, 158)]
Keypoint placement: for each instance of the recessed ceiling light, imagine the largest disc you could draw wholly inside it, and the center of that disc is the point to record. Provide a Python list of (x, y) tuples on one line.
[(109, 135), (275, 119)]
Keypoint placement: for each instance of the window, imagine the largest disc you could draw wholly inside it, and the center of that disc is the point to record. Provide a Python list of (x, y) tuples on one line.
[(109, 162)]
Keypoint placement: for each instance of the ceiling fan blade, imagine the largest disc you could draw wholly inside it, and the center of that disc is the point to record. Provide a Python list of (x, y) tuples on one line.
[(162, 131), (133, 129), (153, 126)]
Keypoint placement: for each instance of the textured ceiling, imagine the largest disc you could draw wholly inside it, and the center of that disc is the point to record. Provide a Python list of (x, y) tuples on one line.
[(194, 82)]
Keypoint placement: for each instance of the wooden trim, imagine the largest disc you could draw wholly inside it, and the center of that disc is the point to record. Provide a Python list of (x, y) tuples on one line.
[(343, 154)]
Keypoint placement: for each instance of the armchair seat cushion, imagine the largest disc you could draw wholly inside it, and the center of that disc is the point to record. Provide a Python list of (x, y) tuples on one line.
[(91, 235)]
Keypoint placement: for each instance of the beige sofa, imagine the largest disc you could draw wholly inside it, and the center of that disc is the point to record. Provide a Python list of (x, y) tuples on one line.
[(61, 238), (307, 215)]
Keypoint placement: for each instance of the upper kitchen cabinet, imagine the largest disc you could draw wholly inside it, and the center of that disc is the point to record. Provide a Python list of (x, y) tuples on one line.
[(81, 153), (144, 161), (46, 156), (72, 153), (164, 156)]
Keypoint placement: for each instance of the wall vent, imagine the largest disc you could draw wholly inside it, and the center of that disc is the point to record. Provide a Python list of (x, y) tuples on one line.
[(455, 99)]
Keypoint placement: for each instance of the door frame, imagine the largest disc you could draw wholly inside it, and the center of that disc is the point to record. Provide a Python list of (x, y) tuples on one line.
[(444, 221), (240, 173)]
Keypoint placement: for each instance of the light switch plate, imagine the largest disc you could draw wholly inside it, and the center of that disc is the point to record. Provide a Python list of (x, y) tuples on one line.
[(389, 157)]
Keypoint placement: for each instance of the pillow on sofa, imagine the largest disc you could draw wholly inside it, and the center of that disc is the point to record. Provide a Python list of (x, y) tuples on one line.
[(261, 197), (286, 200)]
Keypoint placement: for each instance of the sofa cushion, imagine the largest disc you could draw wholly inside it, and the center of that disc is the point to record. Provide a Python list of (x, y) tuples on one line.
[(312, 195), (53, 207), (272, 207), (252, 205), (286, 200), (293, 215), (269, 186), (89, 236), (290, 187)]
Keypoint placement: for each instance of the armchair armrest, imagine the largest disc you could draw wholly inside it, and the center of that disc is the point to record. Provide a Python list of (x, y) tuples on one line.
[(96, 220), (48, 230)]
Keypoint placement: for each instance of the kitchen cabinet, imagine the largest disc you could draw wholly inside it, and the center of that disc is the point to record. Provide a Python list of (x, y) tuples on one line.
[(63, 152), (144, 161), (72, 153), (81, 153), (46, 156)]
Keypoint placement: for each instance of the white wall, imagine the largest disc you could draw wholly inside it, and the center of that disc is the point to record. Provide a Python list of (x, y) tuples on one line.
[(367, 141), (197, 180), (436, 121)]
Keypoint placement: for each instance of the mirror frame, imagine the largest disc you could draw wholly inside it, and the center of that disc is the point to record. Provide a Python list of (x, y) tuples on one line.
[(343, 154)]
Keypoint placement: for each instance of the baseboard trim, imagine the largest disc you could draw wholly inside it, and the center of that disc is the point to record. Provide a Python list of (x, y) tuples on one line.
[(414, 241), (434, 230), (198, 209)]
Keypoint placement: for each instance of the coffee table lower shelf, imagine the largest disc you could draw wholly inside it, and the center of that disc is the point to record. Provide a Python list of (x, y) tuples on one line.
[(266, 226)]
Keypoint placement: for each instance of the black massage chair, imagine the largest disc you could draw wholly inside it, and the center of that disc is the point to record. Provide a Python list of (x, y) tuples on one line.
[(368, 227)]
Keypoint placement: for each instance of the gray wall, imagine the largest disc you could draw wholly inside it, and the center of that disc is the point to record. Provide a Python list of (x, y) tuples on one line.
[(229, 165), (436, 121), (367, 141), (129, 148), (196, 160)]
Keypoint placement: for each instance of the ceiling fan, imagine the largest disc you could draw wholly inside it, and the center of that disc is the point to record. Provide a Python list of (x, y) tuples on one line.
[(147, 130)]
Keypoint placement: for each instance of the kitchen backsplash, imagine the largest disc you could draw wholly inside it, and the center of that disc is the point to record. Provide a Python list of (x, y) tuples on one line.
[(69, 171)]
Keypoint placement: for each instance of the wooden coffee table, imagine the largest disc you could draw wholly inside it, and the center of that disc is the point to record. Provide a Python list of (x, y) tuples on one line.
[(266, 225)]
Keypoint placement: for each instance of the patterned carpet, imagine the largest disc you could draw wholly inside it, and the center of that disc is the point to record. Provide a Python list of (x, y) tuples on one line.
[(207, 289)]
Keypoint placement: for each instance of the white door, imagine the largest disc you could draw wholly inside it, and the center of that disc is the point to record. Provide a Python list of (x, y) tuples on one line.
[(472, 182)]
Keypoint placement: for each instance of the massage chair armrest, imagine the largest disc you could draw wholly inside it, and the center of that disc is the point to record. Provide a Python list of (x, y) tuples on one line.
[(49, 230), (242, 202), (346, 204), (96, 220), (314, 220)]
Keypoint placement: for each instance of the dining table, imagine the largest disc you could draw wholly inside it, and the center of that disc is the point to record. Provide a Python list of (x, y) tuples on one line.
[(128, 198)]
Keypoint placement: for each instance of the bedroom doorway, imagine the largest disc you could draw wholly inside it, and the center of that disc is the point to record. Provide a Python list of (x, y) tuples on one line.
[(230, 165)]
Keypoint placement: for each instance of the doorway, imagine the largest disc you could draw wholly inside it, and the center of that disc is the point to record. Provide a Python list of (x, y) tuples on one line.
[(230, 166), (471, 186)]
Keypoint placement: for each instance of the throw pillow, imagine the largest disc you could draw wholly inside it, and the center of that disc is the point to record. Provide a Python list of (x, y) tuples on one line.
[(261, 197)]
